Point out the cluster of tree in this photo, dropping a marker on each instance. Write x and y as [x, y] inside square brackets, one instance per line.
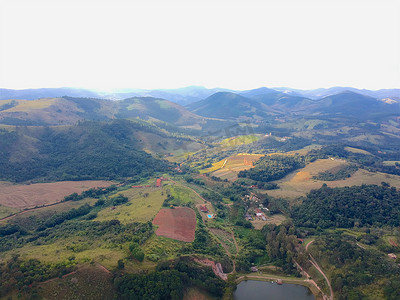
[368, 161]
[354, 269]
[252, 243]
[89, 150]
[342, 173]
[169, 281]
[91, 193]
[168, 284]
[269, 168]
[281, 245]
[349, 206]
[190, 179]
[63, 216]
[25, 274]
[136, 252]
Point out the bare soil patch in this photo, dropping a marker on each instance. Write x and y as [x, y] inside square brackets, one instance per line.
[39, 194]
[178, 223]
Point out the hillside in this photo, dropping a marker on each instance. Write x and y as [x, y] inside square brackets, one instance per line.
[70, 110]
[228, 105]
[351, 104]
[89, 150]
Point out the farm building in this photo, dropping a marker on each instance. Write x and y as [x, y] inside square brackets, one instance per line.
[158, 182]
[254, 269]
[203, 208]
[259, 213]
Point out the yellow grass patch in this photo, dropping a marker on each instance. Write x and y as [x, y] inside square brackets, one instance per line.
[356, 150]
[140, 208]
[292, 188]
[301, 176]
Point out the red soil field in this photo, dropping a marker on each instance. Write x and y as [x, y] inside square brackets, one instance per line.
[38, 194]
[178, 223]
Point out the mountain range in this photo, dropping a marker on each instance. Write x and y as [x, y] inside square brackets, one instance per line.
[186, 95]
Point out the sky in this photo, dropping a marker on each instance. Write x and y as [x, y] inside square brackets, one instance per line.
[149, 44]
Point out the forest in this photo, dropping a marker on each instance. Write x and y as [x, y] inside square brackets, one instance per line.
[89, 150]
[365, 205]
[269, 168]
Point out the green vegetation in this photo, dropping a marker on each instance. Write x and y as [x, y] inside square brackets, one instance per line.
[339, 174]
[269, 168]
[86, 151]
[364, 205]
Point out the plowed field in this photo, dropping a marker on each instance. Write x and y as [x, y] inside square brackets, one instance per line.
[178, 223]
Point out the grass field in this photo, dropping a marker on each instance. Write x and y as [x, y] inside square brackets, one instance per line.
[274, 219]
[92, 282]
[21, 196]
[143, 205]
[356, 150]
[240, 140]
[229, 168]
[300, 182]
[6, 211]
[182, 195]
[159, 247]
[391, 162]
[50, 210]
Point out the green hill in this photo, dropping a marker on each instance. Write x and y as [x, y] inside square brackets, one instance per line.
[228, 105]
[89, 150]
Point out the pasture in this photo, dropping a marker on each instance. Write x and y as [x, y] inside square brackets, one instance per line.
[143, 205]
[229, 168]
[21, 197]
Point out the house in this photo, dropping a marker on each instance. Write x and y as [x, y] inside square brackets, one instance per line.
[259, 213]
[392, 255]
[248, 217]
[254, 269]
[203, 208]
[158, 182]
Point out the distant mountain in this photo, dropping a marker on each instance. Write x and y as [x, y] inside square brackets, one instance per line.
[69, 110]
[226, 105]
[31, 94]
[148, 108]
[320, 93]
[258, 92]
[352, 104]
[181, 96]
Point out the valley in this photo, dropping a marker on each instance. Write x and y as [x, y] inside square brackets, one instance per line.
[142, 197]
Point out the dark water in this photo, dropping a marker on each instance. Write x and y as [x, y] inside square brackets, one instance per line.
[261, 290]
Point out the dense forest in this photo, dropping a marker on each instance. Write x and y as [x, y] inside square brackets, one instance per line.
[354, 268]
[89, 150]
[366, 205]
[269, 168]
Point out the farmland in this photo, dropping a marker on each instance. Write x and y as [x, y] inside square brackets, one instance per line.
[178, 223]
[39, 194]
[143, 205]
[229, 168]
[300, 182]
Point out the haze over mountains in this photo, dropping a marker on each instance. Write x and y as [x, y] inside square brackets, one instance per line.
[185, 95]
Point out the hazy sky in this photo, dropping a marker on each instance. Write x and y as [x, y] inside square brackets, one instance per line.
[168, 44]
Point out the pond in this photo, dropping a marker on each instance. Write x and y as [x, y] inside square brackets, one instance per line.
[261, 290]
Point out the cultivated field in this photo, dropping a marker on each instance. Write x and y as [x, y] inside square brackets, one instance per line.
[178, 223]
[229, 168]
[143, 205]
[300, 182]
[39, 194]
